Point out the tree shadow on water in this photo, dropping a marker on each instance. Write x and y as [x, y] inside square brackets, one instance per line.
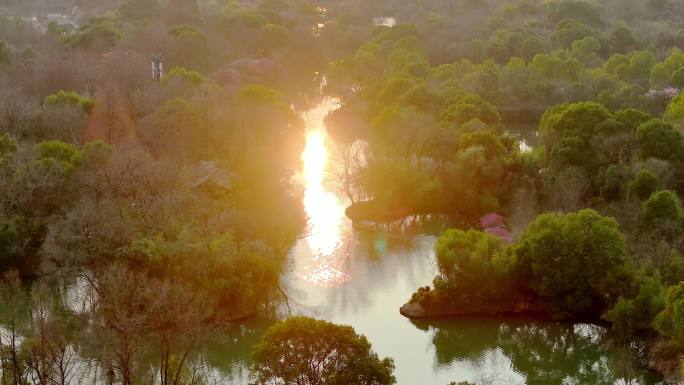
[543, 352]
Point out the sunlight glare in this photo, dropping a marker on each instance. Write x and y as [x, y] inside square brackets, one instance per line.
[324, 210]
[315, 157]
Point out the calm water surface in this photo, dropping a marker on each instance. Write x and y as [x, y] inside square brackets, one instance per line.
[362, 278]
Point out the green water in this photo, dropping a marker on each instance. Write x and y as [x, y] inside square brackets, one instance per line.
[384, 271]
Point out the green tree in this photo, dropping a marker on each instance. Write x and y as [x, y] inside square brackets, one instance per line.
[659, 139]
[662, 208]
[10, 243]
[640, 65]
[399, 185]
[568, 31]
[573, 261]
[630, 316]
[70, 98]
[67, 154]
[645, 184]
[586, 50]
[533, 45]
[662, 73]
[395, 87]
[617, 65]
[175, 129]
[8, 146]
[27, 55]
[613, 184]
[632, 118]
[469, 107]
[472, 263]
[637, 66]
[675, 110]
[569, 132]
[100, 32]
[678, 78]
[305, 351]
[670, 322]
[572, 120]
[398, 131]
[6, 54]
[183, 76]
[621, 37]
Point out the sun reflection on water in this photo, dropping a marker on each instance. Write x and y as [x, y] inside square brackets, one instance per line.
[325, 210]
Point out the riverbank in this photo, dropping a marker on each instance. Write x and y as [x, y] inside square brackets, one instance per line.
[414, 310]
[376, 211]
[428, 303]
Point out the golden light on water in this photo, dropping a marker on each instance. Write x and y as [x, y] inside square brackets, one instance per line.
[325, 210]
[315, 158]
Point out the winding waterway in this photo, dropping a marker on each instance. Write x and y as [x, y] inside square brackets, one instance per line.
[361, 278]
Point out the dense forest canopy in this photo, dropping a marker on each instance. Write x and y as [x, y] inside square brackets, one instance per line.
[551, 131]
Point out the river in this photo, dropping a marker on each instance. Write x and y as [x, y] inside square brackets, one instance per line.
[362, 278]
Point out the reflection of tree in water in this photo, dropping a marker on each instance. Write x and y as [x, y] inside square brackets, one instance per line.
[378, 260]
[47, 328]
[231, 352]
[553, 353]
[544, 353]
[462, 340]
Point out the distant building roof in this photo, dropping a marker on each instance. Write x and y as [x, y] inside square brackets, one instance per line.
[493, 224]
[209, 172]
[386, 21]
[491, 220]
[501, 233]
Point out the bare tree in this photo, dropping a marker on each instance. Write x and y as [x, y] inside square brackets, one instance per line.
[63, 122]
[12, 368]
[50, 356]
[351, 159]
[15, 113]
[569, 190]
[134, 310]
[119, 322]
[180, 321]
[524, 209]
